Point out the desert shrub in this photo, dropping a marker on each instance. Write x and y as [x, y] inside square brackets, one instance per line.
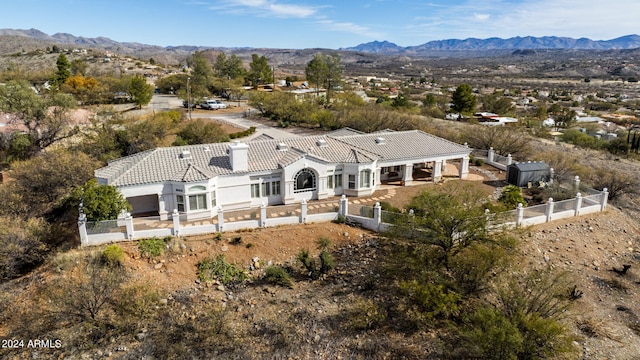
[511, 196]
[134, 303]
[278, 275]
[430, 302]
[478, 162]
[152, 247]
[113, 255]
[323, 243]
[327, 262]
[308, 262]
[86, 292]
[237, 240]
[388, 207]
[218, 268]
[22, 245]
[365, 314]
[341, 219]
[472, 267]
[489, 334]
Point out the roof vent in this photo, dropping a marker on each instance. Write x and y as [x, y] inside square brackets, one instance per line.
[380, 140]
[185, 154]
[282, 147]
[322, 143]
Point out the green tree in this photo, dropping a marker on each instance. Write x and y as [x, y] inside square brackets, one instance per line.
[201, 75]
[498, 104]
[451, 219]
[565, 119]
[463, 99]
[46, 117]
[259, 70]
[100, 202]
[229, 67]
[324, 70]
[41, 184]
[141, 92]
[199, 131]
[79, 67]
[503, 139]
[63, 71]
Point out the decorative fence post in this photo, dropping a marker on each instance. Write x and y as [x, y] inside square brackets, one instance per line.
[175, 216]
[129, 223]
[82, 227]
[263, 215]
[549, 210]
[605, 197]
[509, 160]
[519, 214]
[303, 211]
[490, 155]
[377, 214]
[344, 205]
[576, 183]
[578, 203]
[220, 219]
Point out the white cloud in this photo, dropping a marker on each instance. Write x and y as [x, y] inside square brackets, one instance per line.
[595, 19]
[266, 8]
[348, 27]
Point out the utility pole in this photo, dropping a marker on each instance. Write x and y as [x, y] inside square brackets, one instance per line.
[188, 99]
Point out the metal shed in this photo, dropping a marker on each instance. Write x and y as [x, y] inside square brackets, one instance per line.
[521, 174]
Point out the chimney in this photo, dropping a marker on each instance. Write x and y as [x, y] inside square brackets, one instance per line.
[239, 156]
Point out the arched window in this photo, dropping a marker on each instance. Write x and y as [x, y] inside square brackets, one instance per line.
[305, 180]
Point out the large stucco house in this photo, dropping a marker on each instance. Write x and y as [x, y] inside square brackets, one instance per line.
[197, 180]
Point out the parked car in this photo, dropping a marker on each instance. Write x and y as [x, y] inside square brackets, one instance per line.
[213, 105]
[193, 105]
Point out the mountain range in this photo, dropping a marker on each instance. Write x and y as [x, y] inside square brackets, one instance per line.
[374, 47]
[514, 43]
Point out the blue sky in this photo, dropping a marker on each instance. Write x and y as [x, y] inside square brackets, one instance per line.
[320, 23]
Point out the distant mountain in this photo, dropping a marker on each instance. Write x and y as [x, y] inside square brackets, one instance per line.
[384, 47]
[514, 43]
[68, 39]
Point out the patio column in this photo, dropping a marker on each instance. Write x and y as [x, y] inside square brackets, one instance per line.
[437, 171]
[407, 177]
[164, 214]
[464, 167]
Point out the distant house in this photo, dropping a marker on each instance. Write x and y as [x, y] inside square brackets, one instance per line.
[523, 174]
[198, 179]
[491, 119]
